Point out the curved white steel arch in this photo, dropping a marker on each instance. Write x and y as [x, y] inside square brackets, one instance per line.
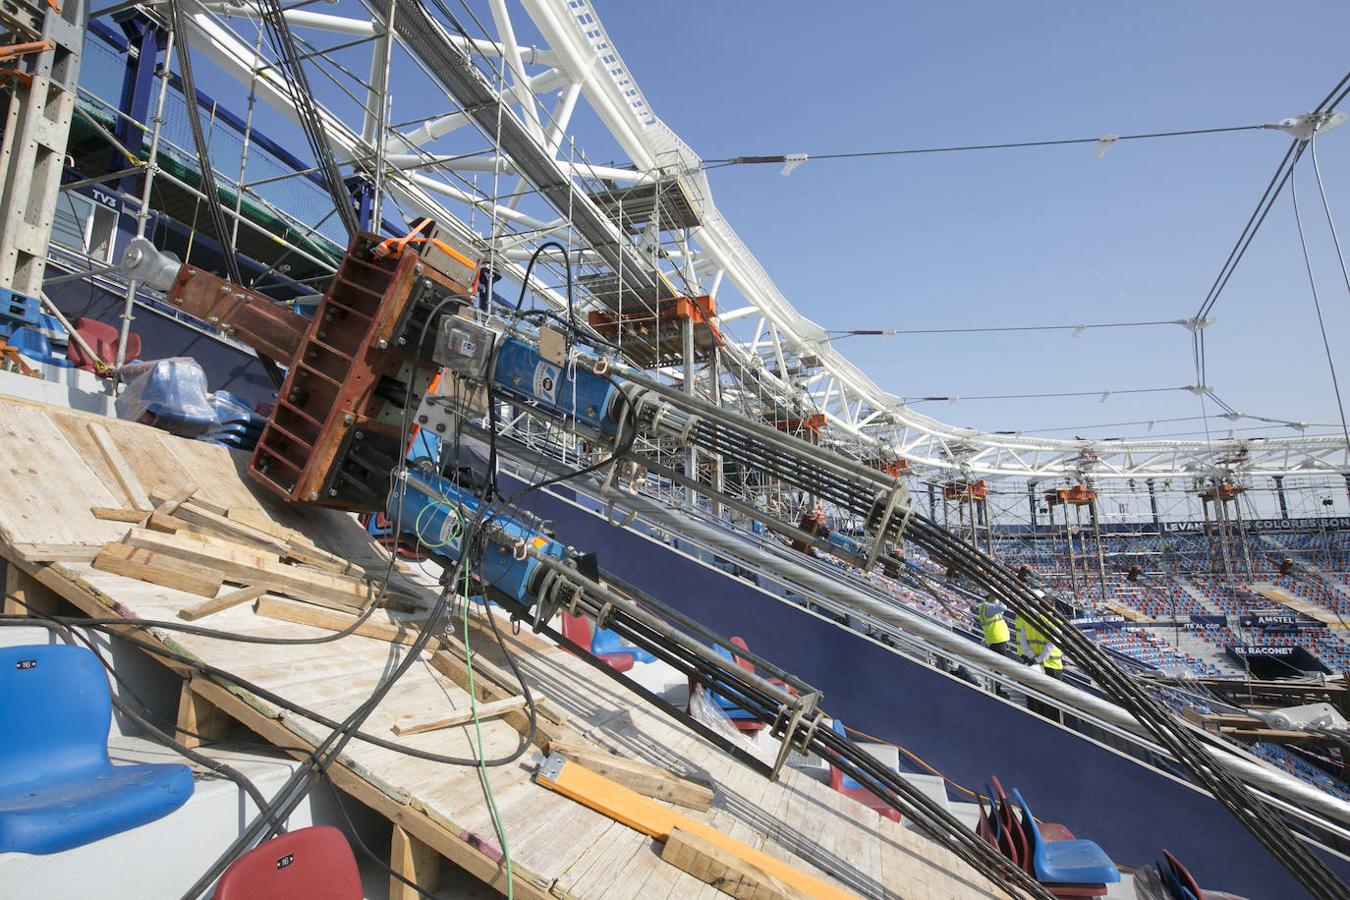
[856, 406]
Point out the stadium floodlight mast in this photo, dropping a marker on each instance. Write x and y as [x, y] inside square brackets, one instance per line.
[766, 339]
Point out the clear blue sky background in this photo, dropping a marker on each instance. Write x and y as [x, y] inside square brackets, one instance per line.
[1017, 237]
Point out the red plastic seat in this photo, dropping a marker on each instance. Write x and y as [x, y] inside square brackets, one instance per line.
[309, 863]
[863, 796]
[102, 338]
[577, 629]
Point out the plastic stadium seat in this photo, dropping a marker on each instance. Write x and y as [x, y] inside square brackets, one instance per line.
[851, 788]
[58, 789]
[606, 643]
[744, 721]
[32, 342]
[102, 339]
[307, 864]
[1065, 862]
[1180, 881]
[577, 629]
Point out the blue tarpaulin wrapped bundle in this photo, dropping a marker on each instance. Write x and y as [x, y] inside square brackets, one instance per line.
[169, 394]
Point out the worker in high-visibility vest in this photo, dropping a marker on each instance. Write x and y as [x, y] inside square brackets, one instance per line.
[995, 627]
[1036, 648]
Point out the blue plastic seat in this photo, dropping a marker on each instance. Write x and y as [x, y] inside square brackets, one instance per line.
[31, 342]
[58, 789]
[607, 643]
[1065, 862]
[731, 710]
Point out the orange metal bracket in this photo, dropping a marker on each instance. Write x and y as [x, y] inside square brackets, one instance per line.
[14, 50]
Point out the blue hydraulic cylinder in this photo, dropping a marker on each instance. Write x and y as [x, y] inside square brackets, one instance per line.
[845, 543]
[569, 391]
[438, 514]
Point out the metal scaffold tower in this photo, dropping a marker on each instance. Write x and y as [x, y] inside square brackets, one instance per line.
[43, 43]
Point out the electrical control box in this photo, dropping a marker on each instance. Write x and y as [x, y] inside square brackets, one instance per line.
[464, 347]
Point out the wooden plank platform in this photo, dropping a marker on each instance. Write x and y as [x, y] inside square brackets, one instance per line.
[54, 473]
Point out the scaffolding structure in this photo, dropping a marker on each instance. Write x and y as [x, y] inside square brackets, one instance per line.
[443, 112]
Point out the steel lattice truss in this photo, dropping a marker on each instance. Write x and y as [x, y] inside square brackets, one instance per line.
[496, 157]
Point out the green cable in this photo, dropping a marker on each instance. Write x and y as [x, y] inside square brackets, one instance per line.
[431, 507]
[478, 729]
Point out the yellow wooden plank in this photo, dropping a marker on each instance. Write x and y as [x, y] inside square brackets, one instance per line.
[651, 818]
[724, 869]
[647, 780]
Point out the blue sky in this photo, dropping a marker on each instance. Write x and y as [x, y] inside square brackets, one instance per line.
[1018, 237]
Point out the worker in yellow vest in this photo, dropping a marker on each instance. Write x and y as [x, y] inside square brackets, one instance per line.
[1036, 648]
[995, 627]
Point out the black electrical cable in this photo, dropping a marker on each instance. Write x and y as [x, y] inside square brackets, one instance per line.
[886, 784]
[324, 755]
[567, 262]
[1270, 831]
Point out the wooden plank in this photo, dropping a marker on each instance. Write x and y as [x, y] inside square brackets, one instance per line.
[118, 514]
[234, 598]
[227, 528]
[1275, 735]
[646, 779]
[400, 633]
[259, 522]
[723, 869]
[46, 553]
[485, 711]
[492, 683]
[172, 525]
[199, 720]
[147, 565]
[257, 568]
[25, 595]
[416, 862]
[49, 485]
[126, 479]
[169, 505]
[651, 818]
